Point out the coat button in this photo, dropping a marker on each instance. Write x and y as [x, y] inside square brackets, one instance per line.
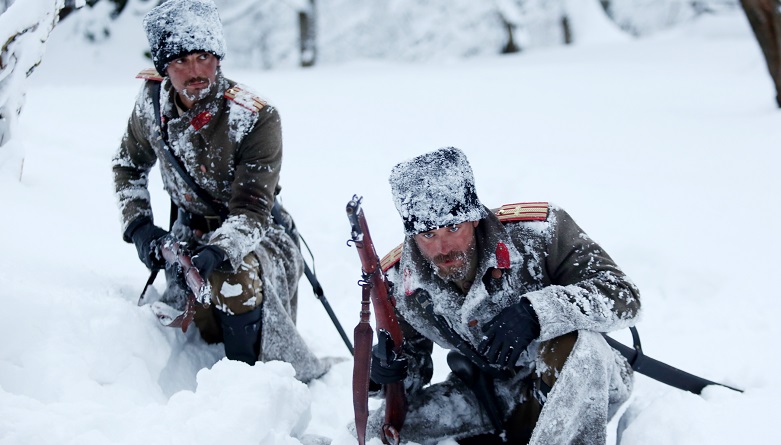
[203, 168]
[188, 197]
[496, 273]
[472, 323]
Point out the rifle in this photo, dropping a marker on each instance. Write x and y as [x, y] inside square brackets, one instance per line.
[374, 285]
[197, 288]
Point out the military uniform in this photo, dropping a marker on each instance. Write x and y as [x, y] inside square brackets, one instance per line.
[230, 143]
[536, 251]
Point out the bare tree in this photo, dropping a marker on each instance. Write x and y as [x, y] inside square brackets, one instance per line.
[765, 19]
[307, 25]
[24, 28]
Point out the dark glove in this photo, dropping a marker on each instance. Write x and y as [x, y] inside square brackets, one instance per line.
[208, 258]
[145, 236]
[386, 366]
[509, 333]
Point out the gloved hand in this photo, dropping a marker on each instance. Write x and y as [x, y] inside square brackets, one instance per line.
[145, 237]
[509, 333]
[207, 258]
[387, 367]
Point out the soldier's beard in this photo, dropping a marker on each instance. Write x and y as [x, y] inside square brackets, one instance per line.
[461, 269]
[200, 93]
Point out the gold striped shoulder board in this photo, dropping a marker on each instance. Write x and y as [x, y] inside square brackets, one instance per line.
[245, 98]
[150, 74]
[522, 211]
[391, 258]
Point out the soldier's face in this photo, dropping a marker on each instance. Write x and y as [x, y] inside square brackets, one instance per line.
[450, 250]
[193, 76]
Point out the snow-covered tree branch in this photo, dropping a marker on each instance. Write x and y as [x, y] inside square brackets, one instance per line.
[24, 29]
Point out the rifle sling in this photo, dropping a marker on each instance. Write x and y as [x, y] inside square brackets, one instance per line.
[639, 362]
[157, 134]
[660, 371]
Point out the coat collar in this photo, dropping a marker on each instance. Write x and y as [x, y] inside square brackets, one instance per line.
[201, 115]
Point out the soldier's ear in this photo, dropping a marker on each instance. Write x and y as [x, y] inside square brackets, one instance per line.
[475, 223]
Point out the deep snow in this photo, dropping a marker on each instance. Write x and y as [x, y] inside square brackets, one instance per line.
[660, 148]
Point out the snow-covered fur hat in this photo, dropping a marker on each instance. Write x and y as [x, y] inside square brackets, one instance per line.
[179, 27]
[434, 190]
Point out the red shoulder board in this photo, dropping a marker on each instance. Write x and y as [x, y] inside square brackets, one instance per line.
[150, 74]
[245, 99]
[522, 211]
[391, 258]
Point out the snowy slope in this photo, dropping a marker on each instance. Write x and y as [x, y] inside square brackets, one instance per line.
[661, 149]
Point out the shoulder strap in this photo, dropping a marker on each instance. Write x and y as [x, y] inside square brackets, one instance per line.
[522, 211]
[392, 258]
[216, 206]
[245, 98]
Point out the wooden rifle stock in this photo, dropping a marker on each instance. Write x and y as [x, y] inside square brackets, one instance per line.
[200, 290]
[375, 285]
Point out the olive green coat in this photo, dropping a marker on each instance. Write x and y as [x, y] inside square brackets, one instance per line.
[231, 144]
[231, 148]
[573, 285]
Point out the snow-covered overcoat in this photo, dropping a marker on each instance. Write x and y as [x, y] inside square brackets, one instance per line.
[572, 284]
[231, 144]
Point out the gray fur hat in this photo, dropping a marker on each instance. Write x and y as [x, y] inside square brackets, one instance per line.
[179, 27]
[434, 190]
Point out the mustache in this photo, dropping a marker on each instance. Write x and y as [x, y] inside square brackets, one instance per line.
[194, 80]
[450, 256]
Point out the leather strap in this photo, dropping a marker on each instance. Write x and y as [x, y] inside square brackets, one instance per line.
[157, 134]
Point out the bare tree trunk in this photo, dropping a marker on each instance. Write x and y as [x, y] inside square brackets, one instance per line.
[509, 47]
[765, 20]
[566, 29]
[307, 25]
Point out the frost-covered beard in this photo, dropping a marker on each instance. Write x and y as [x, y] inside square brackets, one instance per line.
[201, 93]
[457, 272]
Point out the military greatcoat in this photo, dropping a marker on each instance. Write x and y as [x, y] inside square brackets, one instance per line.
[536, 251]
[230, 143]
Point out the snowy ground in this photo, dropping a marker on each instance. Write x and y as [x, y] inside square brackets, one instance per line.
[661, 149]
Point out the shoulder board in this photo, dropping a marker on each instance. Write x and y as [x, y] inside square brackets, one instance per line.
[522, 211]
[391, 258]
[245, 98]
[150, 74]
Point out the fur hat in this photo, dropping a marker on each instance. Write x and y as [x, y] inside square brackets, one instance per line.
[434, 190]
[179, 27]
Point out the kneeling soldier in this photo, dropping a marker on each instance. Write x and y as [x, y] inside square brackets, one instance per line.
[520, 296]
[220, 152]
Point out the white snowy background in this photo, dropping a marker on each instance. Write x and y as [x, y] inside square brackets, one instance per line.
[662, 149]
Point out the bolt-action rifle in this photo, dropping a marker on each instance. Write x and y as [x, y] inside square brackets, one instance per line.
[375, 286]
[197, 288]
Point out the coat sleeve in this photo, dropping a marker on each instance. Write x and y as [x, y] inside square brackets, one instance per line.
[417, 349]
[131, 165]
[253, 190]
[588, 290]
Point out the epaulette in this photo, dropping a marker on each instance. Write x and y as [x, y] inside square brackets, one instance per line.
[150, 74]
[522, 211]
[245, 98]
[391, 258]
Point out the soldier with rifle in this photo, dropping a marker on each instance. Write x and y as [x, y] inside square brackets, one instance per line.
[520, 296]
[219, 149]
